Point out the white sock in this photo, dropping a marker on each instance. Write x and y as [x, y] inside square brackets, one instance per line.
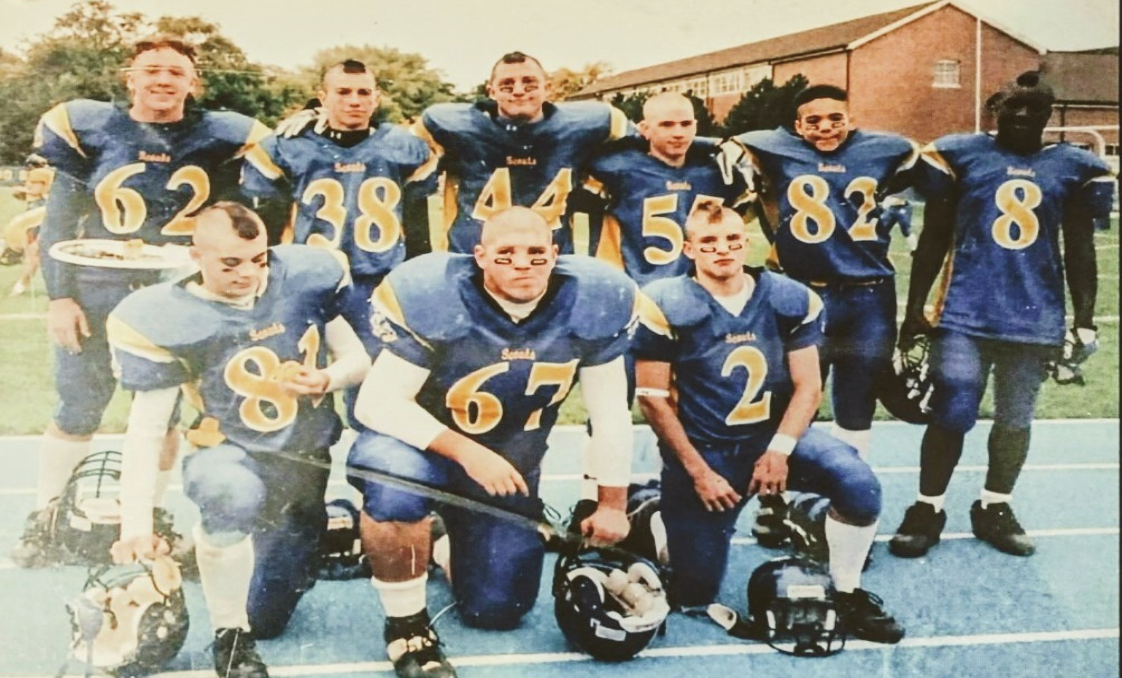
[859, 440]
[402, 598]
[163, 478]
[937, 502]
[849, 545]
[989, 497]
[589, 488]
[225, 572]
[57, 460]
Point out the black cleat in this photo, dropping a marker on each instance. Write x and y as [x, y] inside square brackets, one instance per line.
[414, 648]
[997, 525]
[918, 532]
[182, 547]
[235, 655]
[771, 529]
[34, 548]
[10, 257]
[863, 616]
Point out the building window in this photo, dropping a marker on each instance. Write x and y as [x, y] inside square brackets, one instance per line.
[946, 73]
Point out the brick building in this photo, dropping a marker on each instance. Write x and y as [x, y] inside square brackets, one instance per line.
[922, 71]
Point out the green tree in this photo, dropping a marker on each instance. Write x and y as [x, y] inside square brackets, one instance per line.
[566, 82]
[631, 105]
[765, 106]
[706, 125]
[408, 84]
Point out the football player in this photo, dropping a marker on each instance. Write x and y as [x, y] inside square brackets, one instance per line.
[345, 178]
[21, 236]
[515, 149]
[480, 350]
[124, 172]
[821, 194]
[740, 347]
[997, 206]
[249, 335]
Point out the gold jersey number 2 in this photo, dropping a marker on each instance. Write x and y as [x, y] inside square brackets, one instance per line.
[124, 211]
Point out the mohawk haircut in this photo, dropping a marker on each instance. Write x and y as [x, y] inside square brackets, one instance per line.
[707, 212]
[243, 220]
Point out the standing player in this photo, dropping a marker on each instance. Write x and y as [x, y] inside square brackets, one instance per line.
[996, 207]
[480, 352]
[249, 334]
[821, 193]
[122, 172]
[739, 348]
[516, 149]
[21, 235]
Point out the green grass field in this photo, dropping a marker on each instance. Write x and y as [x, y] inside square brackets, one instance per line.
[27, 399]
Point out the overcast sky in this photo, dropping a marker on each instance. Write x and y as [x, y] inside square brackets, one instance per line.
[461, 38]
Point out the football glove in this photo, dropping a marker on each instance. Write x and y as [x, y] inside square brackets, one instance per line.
[295, 124]
[734, 163]
[1079, 344]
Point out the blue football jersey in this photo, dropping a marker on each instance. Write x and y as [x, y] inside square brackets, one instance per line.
[346, 199]
[493, 164]
[1004, 277]
[730, 372]
[647, 202]
[829, 226]
[497, 381]
[138, 180]
[229, 360]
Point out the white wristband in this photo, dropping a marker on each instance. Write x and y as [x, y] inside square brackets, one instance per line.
[783, 444]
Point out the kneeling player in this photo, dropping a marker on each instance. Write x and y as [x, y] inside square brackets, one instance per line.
[249, 333]
[741, 348]
[479, 353]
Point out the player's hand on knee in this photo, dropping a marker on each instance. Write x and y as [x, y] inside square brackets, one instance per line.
[769, 475]
[66, 324]
[134, 549]
[496, 475]
[606, 526]
[714, 491]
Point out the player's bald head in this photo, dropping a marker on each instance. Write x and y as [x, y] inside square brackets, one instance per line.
[667, 105]
[231, 250]
[521, 219]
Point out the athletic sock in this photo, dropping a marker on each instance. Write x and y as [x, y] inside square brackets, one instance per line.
[859, 440]
[402, 598]
[988, 497]
[937, 502]
[225, 570]
[57, 460]
[849, 546]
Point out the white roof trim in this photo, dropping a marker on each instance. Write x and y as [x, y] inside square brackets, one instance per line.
[934, 8]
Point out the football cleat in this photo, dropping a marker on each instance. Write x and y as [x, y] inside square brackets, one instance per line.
[997, 525]
[791, 602]
[130, 619]
[608, 602]
[235, 655]
[905, 390]
[771, 529]
[919, 531]
[34, 546]
[414, 648]
[863, 616]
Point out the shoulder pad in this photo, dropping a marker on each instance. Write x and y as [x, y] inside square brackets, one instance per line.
[681, 300]
[408, 147]
[450, 118]
[140, 323]
[234, 128]
[70, 121]
[306, 266]
[790, 299]
[766, 139]
[605, 302]
[886, 140]
[426, 291]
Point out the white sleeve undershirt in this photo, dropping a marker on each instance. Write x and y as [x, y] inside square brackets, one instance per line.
[604, 388]
[387, 402]
[350, 361]
[140, 463]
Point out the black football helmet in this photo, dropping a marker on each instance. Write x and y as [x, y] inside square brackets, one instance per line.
[905, 390]
[791, 603]
[130, 620]
[87, 518]
[341, 555]
[608, 602]
[647, 536]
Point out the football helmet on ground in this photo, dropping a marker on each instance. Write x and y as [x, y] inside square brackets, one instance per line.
[341, 555]
[905, 390]
[792, 603]
[608, 602]
[647, 536]
[130, 620]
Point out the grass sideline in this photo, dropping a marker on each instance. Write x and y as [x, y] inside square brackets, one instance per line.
[28, 398]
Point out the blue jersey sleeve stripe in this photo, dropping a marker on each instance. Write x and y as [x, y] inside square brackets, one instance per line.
[384, 301]
[619, 124]
[126, 338]
[610, 249]
[256, 155]
[58, 121]
[422, 132]
[651, 316]
[814, 307]
[932, 157]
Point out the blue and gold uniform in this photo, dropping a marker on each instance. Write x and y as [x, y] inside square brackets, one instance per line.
[647, 202]
[493, 164]
[117, 178]
[1003, 289]
[230, 361]
[732, 388]
[828, 232]
[499, 383]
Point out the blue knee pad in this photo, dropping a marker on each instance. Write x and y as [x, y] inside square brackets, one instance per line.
[825, 465]
[224, 482]
[959, 370]
[378, 452]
